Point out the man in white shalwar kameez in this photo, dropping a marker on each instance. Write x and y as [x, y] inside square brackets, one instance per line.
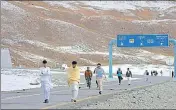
[45, 81]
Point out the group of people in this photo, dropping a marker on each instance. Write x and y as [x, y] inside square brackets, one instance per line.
[100, 75]
[153, 73]
[128, 75]
[73, 79]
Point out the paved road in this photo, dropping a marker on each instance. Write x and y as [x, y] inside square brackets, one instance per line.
[33, 98]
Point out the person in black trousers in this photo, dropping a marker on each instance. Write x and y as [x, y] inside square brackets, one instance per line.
[119, 74]
[172, 74]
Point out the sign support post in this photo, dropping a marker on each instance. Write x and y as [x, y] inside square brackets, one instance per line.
[173, 41]
[111, 43]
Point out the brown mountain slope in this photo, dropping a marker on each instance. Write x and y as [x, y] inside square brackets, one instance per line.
[36, 30]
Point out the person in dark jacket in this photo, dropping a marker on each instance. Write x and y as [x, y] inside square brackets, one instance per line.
[172, 74]
[151, 73]
[146, 74]
[129, 76]
[119, 74]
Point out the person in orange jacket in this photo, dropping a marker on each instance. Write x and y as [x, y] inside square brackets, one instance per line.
[88, 77]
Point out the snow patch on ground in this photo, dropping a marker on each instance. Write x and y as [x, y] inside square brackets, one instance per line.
[153, 21]
[88, 61]
[39, 7]
[62, 23]
[10, 7]
[65, 4]
[18, 79]
[14, 82]
[144, 54]
[32, 57]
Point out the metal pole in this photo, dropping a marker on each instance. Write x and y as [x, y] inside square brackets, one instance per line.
[111, 43]
[174, 42]
[110, 60]
[175, 61]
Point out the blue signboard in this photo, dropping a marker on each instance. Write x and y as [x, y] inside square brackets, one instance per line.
[145, 40]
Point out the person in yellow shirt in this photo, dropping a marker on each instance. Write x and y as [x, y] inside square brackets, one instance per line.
[74, 80]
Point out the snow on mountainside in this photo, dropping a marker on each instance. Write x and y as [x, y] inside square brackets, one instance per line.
[117, 5]
[80, 30]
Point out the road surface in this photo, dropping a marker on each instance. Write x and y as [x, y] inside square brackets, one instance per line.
[60, 96]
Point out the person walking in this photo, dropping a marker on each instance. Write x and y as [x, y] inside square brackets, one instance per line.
[129, 76]
[88, 77]
[172, 74]
[99, 71]
[119, 74]
[151, 73]
[146, 75]
[74, 80]
[161, 72]
[45, 81]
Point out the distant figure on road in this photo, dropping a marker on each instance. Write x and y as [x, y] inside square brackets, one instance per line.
[129, 76]
[161, 72]
[88, 77]
[74, 80]
[45, 81]
[119, 74]
[155, 73]
[146, 74]
[172, 74]
[151, 73]
[99, 76]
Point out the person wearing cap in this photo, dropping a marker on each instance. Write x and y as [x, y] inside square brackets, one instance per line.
[45, 81]
[99, 72]
[74, 80]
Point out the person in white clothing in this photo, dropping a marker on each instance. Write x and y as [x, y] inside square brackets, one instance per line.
[45, 81]
[129, 76]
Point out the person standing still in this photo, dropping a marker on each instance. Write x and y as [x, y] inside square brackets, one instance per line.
[45, 81]
[74, 80]
[119, 74]
[99, 71]
[88, 77]
[129, 76]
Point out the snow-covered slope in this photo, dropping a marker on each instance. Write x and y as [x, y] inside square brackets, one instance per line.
[80, 30]
[117, 5]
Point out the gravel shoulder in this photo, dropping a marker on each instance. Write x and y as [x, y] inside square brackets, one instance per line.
[159, 96]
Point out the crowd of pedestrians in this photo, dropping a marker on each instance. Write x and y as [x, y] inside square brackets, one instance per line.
[73, 78]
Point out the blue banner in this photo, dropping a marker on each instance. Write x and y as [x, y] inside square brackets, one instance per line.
[143, 40]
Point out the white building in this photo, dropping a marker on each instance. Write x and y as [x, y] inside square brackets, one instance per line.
[6, 61]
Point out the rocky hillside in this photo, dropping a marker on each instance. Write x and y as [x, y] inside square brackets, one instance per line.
[71, 30]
